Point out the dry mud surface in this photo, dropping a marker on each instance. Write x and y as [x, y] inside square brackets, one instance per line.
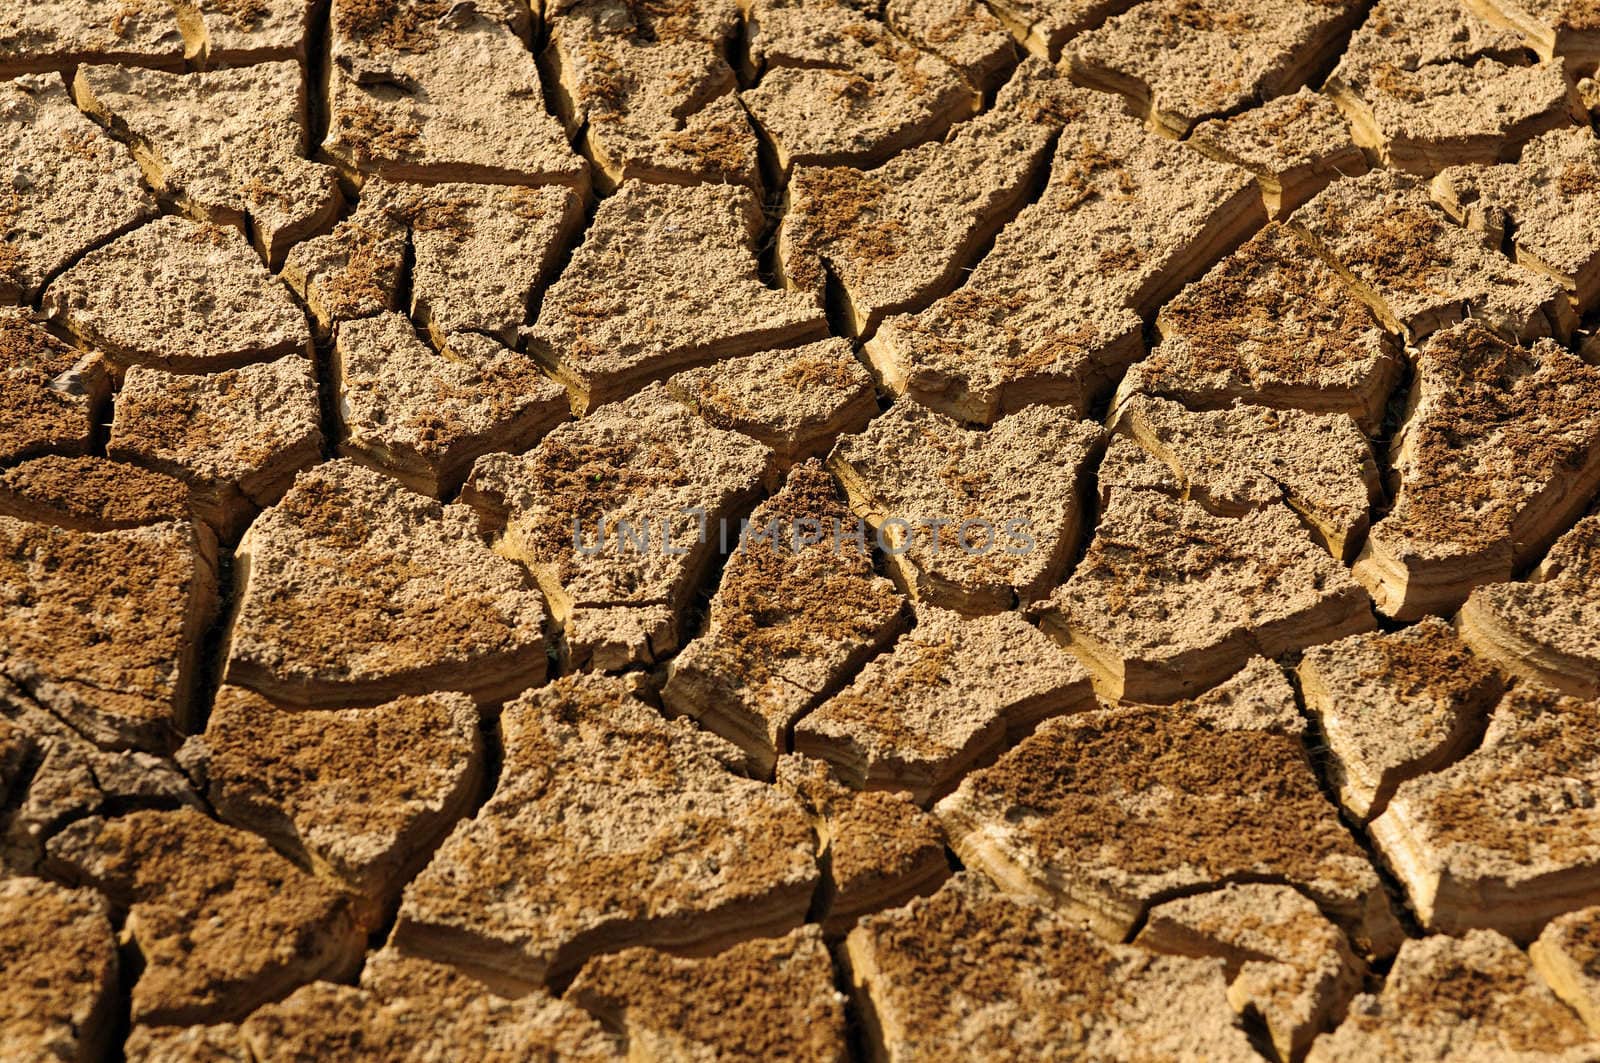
[799, 530]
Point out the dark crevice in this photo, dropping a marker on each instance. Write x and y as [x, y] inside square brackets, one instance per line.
[101, 417]
[1221, 115]
[119, 999]
[736, 51]
[836, 305]
[726, 534]
[774, 182]
[209, 663]
[1088, 487]
[1394, 415]
[558, 267]
[494, 757]
[1318, 755]
[857, 1038]
[319, 43]
[1254, 1025]
[1318, 75]
[327, 399]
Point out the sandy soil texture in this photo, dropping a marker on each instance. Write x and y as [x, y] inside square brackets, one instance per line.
[799, 530]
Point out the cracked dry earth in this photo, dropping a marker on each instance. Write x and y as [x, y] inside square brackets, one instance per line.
[1264, 334]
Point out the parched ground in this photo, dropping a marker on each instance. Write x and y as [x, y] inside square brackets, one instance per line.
[816, 530]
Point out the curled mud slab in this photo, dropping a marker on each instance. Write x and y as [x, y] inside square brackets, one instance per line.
[799, 530]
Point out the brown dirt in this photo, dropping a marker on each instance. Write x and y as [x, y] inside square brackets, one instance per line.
[776, 604]
[1231, 308]
[390, 25]
[819, 260]
[1193, 764]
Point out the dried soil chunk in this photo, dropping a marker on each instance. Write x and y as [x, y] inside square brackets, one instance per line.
[1499, 451]
[839, 88]
[236, 437]
[327, 1021]
[1504, 837]
[355, 590]
[1128, 466]
[1567, 954]
[1417, 271]
[1549, 200]
[228, 146]
[1284, 961]
[58, 956]
[1171, 599]
[1473, 997]
[104, 628]
[363, 793]
[1052, 313]
[237, 32]
[51, 395]
[217, 1043]
[666, 278]
[91, 494]
[1394, 706]
[482, 251]
[221, 921]
[617, 516]
[1246, 457]
[1551, 27]
[972, 520]
[179, 296]
[425, 416]
[610, 827]
[1043, 26]
[1427, 85]
[877, 849]
[764, 1000]
[355, 270]
[651, 89]
[70, 187]
[430, 90]
[1452, 114]
[58, 776]
[47, 35]
[1587, 91]
[1295, 145]
[1546, 629]
[1160, 799]
[896, 237]
[1414, 34]
[795, 614]
[391, 974]
[480, 255]
[58, 959]
[971, 973]
[920, 717]
[1181, 61]
[796, 400]
[964, 33]
[1271, 325]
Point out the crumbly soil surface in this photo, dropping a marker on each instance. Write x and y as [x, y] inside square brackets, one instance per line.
[815, 530]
